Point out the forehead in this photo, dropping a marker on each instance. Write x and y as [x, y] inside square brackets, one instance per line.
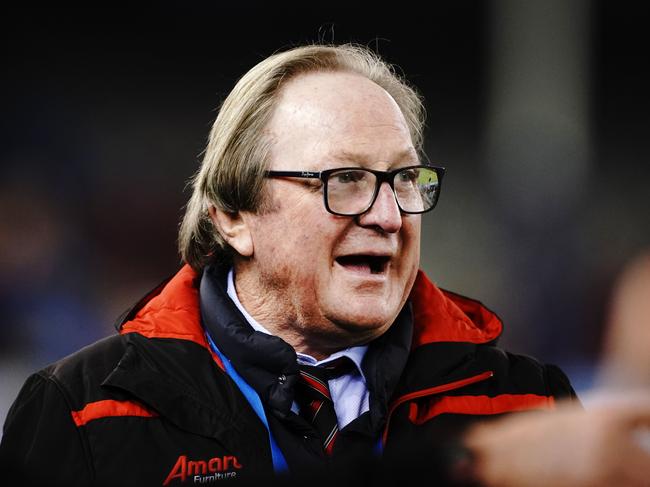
[339, 116]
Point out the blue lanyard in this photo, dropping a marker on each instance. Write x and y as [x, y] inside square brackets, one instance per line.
[279, 462]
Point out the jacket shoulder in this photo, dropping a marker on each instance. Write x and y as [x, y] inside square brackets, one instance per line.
[517, 371]
[39, 437]
[79, 375]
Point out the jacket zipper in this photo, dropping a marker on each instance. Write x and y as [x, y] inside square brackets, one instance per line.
[431, 391]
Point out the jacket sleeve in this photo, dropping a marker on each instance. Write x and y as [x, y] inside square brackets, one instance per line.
[41, 445]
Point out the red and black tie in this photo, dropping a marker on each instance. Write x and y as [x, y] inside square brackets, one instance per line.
[315, 401]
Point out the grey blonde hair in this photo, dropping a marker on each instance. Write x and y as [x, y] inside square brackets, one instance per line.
[231, 176]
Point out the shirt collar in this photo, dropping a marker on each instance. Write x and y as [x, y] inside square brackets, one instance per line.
[355, 354]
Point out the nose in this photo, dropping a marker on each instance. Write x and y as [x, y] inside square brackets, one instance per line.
[384, 212]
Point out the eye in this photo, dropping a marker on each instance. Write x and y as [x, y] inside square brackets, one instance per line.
[352, 176]
[408, 175]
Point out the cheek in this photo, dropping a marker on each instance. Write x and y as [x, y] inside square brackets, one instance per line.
[298, 243]
[411, 238]
[311, 234]
[410, 262]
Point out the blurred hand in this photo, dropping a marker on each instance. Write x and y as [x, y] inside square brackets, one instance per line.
[603, 446]
[626, 361]
[606, 444]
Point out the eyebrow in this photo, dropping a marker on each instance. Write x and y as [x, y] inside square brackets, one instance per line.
[362, 158]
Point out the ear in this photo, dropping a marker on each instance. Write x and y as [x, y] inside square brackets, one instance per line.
[234, 228]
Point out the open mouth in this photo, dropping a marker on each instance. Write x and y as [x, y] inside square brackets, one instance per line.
[373, 264]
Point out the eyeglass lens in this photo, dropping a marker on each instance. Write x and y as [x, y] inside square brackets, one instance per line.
[351, 191]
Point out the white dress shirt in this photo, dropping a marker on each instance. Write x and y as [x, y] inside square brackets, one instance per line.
[349, 392]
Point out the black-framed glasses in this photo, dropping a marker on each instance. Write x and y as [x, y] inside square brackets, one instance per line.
[351, 191]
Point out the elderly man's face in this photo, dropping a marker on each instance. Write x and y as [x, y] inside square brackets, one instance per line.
[334, 280]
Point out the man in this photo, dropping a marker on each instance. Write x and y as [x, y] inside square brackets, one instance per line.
[301, 242]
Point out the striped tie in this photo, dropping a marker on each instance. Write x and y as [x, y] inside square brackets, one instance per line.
[315, 401]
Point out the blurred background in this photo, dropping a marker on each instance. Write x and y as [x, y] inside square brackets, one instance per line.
[539, 111]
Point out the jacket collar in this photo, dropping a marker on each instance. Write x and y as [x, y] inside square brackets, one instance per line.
[171, 310]
[443, 316]
[266, 362]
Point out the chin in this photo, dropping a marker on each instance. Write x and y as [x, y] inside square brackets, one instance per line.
[368, 315]
[372, 307]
